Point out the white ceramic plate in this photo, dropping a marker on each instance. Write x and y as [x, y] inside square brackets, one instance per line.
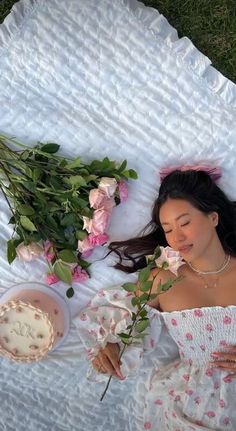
[16, 288]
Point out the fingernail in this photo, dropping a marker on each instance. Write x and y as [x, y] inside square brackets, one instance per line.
[119, 373]
[214, 354]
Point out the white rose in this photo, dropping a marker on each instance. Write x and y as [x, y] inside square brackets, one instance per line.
[29, 252]
[171, 259]
[108, 185]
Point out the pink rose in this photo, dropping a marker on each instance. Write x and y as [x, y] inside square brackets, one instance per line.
[87, 223]
[51, 278]
[84, 246]
[28, 252]
[108, 185]
[189, 336]
[123, 190]
[108, 205]
[169, 259]
[79, 275]
[49, 251]
[97, 198]
[95, 240]
[100, 221]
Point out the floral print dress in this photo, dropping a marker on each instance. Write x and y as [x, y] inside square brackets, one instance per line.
[184, 393]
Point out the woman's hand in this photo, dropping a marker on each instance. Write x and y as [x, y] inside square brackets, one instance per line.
[107, 361]
[225, 360]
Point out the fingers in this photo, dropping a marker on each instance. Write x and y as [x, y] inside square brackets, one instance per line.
[107, 361]
[112, 351]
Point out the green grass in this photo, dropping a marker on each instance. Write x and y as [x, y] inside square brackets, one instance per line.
[210, 24]
[5, 8]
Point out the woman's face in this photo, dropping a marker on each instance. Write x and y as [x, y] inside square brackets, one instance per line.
[187, 229]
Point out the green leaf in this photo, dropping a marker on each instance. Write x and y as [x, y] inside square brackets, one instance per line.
[70, 292]
[133, 174]
[50, 148]
[141, 326]
[80, 234]
[143, 298]
[84, 264]
[126, 340]
[143, 313]
[25, 210]
[63, 272]
[68, 219]
[36, 174]
[123, 334]
[129, 287]
[165, 286]
[75, 181]
[122, 166]
[76, 163]
[67, 256]
[146, 286]
[11, 251]
[27, 224]
[157, 252]
[135, 301]
[144, 274]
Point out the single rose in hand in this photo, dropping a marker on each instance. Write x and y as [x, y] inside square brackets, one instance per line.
[169, 259]
[29, 252]
[108, 185]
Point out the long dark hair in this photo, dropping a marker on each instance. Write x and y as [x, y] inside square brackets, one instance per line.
[195, 187]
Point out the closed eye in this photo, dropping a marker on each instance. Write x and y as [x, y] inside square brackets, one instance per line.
[185, 224]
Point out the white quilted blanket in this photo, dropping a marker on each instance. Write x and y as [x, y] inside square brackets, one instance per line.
[101, 77]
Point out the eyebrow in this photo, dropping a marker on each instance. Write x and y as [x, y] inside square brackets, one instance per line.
[177, 218]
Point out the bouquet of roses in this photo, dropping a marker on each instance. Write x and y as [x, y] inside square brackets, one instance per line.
[163, 258]
[61, 208]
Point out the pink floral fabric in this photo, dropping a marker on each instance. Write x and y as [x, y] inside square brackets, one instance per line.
[176, 390]
[188, 394]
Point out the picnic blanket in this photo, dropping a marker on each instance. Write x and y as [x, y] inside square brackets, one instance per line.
[101, 78]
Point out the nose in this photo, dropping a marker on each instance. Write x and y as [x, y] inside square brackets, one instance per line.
[178, 236]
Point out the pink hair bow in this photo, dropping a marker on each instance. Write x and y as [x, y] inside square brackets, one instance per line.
[214, 171]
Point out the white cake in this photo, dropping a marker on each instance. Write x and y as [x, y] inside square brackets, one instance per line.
[31, 322]
[26, 333]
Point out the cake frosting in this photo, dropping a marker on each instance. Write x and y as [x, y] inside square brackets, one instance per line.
[31, 322]
[26, 333]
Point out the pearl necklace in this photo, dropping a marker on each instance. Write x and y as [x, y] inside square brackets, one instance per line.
[225, 264]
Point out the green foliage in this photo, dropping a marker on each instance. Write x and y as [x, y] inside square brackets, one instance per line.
[48, 196]
[139, 319]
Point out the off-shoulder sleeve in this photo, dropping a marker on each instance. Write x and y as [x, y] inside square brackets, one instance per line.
[108, 314]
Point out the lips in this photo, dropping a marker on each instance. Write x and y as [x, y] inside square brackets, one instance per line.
[185, 249]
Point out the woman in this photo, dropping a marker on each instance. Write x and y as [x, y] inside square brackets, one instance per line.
[196, 391]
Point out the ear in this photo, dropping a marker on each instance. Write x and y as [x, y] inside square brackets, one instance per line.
[214, 218]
